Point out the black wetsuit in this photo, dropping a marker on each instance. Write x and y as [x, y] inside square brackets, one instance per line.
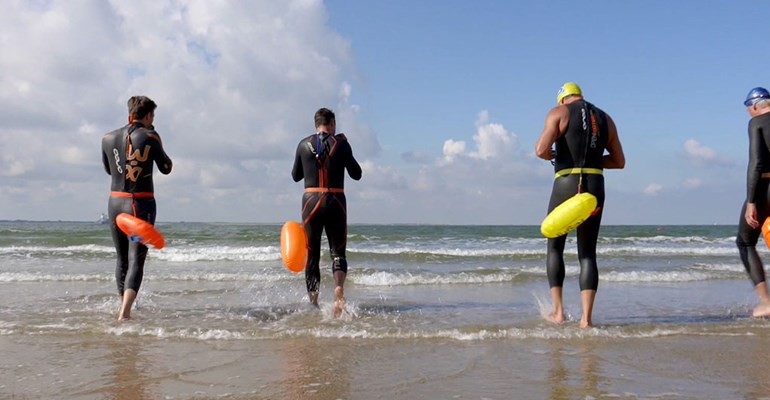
[321, 160]
[757, 192]
[128, 154]
[581, 146]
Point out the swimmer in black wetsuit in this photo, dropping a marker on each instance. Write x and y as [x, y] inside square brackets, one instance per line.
[756, 208]
[128, 154]
[581, 132]
[321, 159]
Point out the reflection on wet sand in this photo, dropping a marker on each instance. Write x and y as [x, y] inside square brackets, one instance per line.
[569, 381]
[129, 372]
[315, 370]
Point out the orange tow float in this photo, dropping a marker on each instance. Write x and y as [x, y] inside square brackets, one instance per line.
[293, 246]
[138, 228]
[766, 231]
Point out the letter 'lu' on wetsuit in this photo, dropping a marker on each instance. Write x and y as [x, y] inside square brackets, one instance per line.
[581, 147]
[758, 192]
[128, 154]
[321, 159]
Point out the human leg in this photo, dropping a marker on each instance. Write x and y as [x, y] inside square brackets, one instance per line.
[746, 240]
[313, 226]
[144, 209]
[563, 189]
[587, 238]
[556, 273]
[127, 301]
[337, 234]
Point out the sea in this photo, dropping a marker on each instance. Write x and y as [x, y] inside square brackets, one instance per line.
[223, 286]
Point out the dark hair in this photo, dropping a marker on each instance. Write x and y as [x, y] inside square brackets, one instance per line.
[323, 116]
[140, 106]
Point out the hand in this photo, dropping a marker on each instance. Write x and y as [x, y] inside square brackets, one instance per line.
[751, 215]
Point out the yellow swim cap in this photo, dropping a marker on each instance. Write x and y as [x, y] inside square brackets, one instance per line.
[568, 89]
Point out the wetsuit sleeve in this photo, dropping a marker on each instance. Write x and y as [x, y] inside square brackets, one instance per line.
[354, 170]
[105, 160]
[297, 173]
[162, 160]
[754, 170]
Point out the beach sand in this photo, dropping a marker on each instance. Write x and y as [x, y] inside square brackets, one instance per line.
[136, 367]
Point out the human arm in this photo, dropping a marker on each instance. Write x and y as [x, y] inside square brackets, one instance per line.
[162, 160]
[753, 174]
[105, 160]
[354, 169]
[555, 124]
[751, 215]
[615, 159]
[297, 173]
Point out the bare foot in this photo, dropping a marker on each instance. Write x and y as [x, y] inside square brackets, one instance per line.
[339, 301]
[556, 317]
[123, 318]
[762, 309]
[313, 297]
[585, 324]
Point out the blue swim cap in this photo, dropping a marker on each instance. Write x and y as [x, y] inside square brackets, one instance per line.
[756, 95]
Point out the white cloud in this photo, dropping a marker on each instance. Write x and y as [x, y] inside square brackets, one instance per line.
[653, 189]
[702, 155]
[492, 140]
[452, 149]
[692, 183]
[236, 84]
[12, 166]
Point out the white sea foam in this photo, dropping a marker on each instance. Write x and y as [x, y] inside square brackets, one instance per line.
[180, 333]
[668, 250]
[658, 276]
[60, 250]
[192, 253]
[221, 276]
[446, 251]
[7, 277]
[219, 253]
[406, 278]
[549, 333]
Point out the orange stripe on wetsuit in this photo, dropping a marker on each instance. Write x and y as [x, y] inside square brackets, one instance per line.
[323, 180]
[132, 195]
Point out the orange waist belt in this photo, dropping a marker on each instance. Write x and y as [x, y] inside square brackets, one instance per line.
[131, 195]
[324, 190]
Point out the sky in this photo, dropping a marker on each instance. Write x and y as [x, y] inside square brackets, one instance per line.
[441, 101]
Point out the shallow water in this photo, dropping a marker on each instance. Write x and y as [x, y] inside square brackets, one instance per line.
[220, 289]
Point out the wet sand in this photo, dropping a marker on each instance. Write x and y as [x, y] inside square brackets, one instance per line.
[134, 367]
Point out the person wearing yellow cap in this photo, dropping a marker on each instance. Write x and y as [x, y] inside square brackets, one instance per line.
[582, 133]
[756, 207]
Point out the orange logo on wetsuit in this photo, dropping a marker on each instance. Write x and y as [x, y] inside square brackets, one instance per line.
[132, 171]
[594, 130]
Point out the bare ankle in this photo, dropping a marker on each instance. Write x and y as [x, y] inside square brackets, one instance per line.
[313, 298]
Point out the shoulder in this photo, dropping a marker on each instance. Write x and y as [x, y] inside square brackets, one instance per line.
[762, 120]
[597, 109]
[560, 111]
[112, 135]
[143, 133]
[304, 140]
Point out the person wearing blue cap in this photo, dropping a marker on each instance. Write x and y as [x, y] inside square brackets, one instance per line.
[756, 208]
[581, 134]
